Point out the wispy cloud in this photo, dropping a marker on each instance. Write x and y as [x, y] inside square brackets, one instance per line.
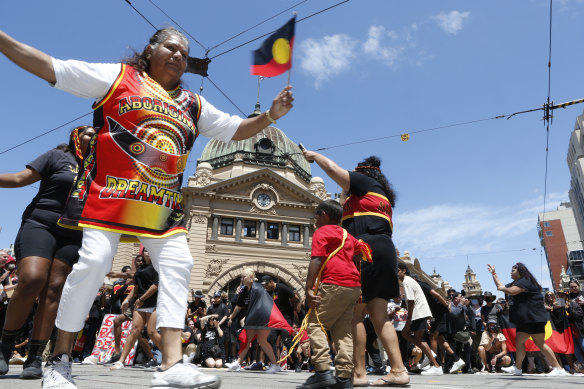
[458, 229]
[374, 47]
[327, 57]
[452, 22]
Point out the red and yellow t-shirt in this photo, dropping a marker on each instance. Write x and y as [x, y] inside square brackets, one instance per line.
[340, 269]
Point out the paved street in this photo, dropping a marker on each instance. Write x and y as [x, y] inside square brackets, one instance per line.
[100, 377]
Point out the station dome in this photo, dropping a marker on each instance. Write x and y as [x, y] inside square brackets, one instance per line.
[270, 148]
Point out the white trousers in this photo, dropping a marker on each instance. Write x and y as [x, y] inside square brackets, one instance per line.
[170, 257]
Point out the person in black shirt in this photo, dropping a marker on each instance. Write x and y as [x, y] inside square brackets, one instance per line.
[527, 311]
[145, 293]
[212, 353]
[45, 252]
[195, 307]
[287, 302]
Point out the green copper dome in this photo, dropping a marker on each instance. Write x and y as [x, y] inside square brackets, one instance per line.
[270, 148]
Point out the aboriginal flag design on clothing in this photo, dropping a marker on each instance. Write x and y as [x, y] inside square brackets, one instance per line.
[131, 179]
[558, 335]
[262, 312]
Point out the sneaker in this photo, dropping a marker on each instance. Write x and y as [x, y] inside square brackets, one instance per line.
[57, 373]
[90, 360]
[115, 357]
[484, 370]
[298, 368]
[512, 370]
[117, 366]
[5, 354]
[233, 366]
[320, 379]
[433, 370]
[255, 366]
[274, 368]
[425, 362]
[456, 366]
[558, 372]
[32, 368]
[152, 363]
[184, 375]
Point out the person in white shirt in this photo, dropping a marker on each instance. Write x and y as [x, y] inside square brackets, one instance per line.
[148, 126]
[418, 315]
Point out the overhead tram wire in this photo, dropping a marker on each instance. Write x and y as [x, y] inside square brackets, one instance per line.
[227, 97]
[271, 32]
[548, 116]
[181, 27]
[260, 23]
[45, 133]
[138, 12]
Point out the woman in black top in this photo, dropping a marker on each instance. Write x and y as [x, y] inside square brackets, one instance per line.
[144, 295]
[576, 311]
[367, 215]
[45, 251]
[527, 311]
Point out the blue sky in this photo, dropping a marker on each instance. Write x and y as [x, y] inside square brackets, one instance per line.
[370, 69]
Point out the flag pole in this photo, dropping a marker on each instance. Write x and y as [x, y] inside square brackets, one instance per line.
[289, 71]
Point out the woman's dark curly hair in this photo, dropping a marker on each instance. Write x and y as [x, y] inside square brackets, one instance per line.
[525, 273]
[370, 168]
[139, 61]
[72, 146]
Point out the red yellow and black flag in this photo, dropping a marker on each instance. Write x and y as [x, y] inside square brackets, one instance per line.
[274, 57]
[558, 335]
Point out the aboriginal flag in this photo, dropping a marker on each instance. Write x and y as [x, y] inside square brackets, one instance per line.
[274, 57]
[262, 312]
[558, 335]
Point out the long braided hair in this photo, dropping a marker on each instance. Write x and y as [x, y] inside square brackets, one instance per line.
[370, 168]
[74, 146]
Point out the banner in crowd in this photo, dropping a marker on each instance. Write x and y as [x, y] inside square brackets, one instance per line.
[104, 344]
[558, 335]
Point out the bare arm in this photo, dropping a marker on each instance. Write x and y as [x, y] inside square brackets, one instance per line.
[313, 268]
[20, 179]
[334, 171]
[439, 297]
[28, 58]
[512, 290]
[280, 107]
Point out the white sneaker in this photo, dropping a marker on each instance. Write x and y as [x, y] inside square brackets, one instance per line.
[558, 372]
[456, 366]
[184, 375]
[57, 374]
[425, 362]
[512, 370]
[274, 368]
[433, 370]
[118, 365]
[233, 366]
[90, 360]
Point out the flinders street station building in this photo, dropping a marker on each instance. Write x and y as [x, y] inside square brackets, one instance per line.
[250, 203]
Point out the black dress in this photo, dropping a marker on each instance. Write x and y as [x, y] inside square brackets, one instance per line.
[367, 215]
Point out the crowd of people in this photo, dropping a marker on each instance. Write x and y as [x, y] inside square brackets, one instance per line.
[356, 290]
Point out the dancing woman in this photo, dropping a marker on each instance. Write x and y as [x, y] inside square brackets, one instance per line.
[131, 182]
[527, 311]
[367, 215]
[45, 251]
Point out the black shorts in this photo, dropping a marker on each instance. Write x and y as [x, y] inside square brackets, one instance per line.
[440, 323]
[419, 324]
[379, 278]
[531, 328]
[36, 240]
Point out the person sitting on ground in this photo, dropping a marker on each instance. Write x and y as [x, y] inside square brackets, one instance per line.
[493, 348]
[335, 263]
[211, 338]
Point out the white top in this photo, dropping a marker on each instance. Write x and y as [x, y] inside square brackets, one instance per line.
[413, 291]
[93, 81]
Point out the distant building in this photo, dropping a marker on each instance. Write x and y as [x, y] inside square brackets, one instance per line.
[558, 233]
[470, 285]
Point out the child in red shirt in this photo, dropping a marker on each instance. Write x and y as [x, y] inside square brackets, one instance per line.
[333, 303]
